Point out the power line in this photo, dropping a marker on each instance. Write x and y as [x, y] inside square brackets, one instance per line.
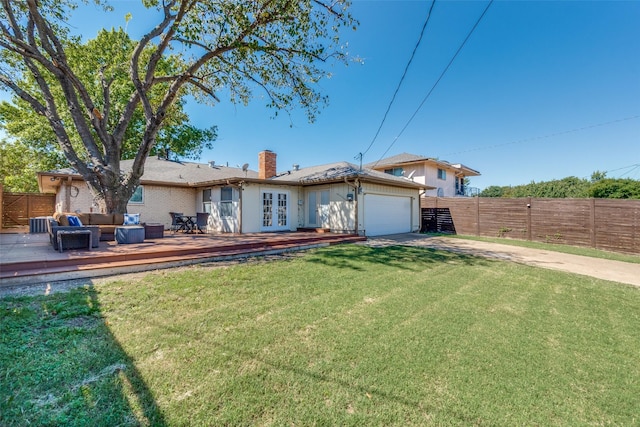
[551, 135]
[634, 167]
[629, 171]
[437, 81]
[404, 74]
[630, 167]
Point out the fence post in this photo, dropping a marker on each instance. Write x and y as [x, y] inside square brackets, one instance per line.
[477, 215]
[593, 223]
[529, 219]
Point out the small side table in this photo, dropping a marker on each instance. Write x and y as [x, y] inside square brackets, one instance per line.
[129, 234]
[153, 231]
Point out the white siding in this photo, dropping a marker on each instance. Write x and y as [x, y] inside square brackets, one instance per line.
[342, 217]
[226, 224]
[252, 206]
[427, 173]
[218, 223]
[447, 185]
[342, 213]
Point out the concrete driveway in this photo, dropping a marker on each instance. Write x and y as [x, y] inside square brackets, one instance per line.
[617, 271]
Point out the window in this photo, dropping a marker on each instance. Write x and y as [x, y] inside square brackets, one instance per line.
[442, 174]
[206, 200]
[226, 201]
[395, 171]
[138, 196]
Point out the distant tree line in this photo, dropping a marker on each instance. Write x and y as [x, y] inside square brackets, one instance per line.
[599, 186]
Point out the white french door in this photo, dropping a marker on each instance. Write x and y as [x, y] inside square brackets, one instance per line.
[318, 208]
[275, 211]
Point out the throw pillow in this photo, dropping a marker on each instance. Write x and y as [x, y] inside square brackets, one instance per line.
[74, 221]
[131, 219]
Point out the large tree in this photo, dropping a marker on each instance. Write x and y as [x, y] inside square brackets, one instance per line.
[276, 46]
[29, 135]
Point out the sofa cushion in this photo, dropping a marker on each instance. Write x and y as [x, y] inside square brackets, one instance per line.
[118, 219]
[100, 219]
[85, 218]
[74, 221]
[61, 218]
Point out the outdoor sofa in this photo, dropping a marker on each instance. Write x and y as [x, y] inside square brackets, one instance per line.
[102, 227]
[107, 223]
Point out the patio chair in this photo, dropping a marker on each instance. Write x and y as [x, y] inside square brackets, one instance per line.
[202, 220]
[177, 222]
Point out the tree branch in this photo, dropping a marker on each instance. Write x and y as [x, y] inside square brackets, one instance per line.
[141, 88]
[209, 91]
[68, 82]
[329, 8]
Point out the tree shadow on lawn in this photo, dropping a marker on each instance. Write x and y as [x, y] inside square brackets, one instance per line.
[61, 365]
[357, 257]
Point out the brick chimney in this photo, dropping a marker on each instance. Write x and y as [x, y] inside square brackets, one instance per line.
[266, 164]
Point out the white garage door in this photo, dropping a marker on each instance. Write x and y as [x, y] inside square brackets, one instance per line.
[387, 215]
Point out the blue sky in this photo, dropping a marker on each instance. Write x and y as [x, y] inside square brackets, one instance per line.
[542, 90]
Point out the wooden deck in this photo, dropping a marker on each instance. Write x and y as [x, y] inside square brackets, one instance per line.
[30, 258]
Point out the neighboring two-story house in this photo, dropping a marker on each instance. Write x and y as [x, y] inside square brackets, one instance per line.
[444, 178]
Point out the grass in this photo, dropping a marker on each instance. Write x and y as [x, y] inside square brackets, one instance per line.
[346, 335]
[567, 249]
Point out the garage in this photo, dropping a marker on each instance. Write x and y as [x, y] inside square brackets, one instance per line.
[386, 215]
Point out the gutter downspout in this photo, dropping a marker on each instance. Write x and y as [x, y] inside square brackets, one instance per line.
[240, 191]
[355, 186]
[420, 197]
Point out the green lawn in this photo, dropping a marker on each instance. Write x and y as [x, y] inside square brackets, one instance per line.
[345, 335]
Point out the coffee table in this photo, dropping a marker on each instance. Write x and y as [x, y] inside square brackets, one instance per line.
[63, 234]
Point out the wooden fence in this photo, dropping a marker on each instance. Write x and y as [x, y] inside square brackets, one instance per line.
[607, 224]
[17, 208]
